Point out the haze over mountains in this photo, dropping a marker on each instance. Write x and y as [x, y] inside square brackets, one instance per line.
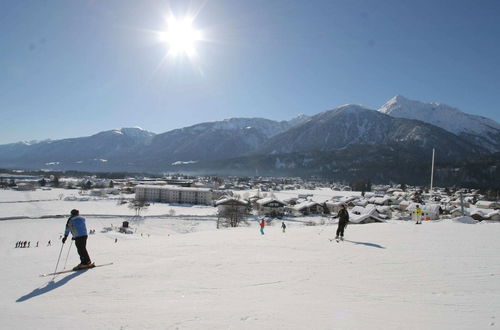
[402, 131]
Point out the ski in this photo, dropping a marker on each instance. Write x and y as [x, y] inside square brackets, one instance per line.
[74, 270]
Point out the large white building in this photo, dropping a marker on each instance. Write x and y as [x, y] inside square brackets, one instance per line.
[173, 194]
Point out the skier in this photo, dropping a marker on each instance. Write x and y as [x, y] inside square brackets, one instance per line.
[283, 226]
[343, 216]
[49, 243]
[418, 215]
[76, 225]
[262, 224]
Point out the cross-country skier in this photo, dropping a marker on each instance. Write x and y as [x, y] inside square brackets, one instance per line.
[262, 224]
[76, 225]
[343, 216]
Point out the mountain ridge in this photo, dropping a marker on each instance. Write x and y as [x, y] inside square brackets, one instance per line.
[344, 130]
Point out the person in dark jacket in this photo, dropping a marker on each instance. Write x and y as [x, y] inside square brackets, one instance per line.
[343, 216]
[76, 225]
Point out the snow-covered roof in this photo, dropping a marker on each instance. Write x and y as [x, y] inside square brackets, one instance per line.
[170, 187]
[268, 200]
[346, 199]
[230, 200]
[369, 209]
[364, 217]
[486, 204]
[305, 204]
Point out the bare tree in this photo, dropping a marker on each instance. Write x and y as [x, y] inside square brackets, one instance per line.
[138, 206]
[231, 215]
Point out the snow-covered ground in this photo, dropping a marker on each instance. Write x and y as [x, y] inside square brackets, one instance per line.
[182, 273]
[36, 204]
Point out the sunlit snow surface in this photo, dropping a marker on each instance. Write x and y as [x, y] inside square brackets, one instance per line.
[182, 273]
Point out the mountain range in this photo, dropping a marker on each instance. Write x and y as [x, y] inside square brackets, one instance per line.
[345, 143]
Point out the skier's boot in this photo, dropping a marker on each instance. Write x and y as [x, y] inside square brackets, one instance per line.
[83, 266]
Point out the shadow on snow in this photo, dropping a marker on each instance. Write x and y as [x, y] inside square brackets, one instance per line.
[50, 286]
[367, 244]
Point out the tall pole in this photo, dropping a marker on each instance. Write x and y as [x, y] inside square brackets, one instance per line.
[432, 173]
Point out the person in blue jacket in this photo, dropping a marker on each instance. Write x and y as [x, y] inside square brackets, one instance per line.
[76, 225]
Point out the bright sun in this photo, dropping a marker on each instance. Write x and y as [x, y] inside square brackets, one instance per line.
[181, 37]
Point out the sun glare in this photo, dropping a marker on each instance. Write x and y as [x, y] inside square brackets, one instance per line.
[181, 37]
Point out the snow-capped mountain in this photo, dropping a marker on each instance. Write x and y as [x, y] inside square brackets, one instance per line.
[214, 140]
[477, 129]
[89, 150]
[351, 139]
[357, 125]
[137, 149]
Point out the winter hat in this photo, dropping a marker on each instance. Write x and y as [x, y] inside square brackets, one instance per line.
[75, 212]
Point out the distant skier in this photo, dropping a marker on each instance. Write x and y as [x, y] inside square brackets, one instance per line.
[262, 224]
[49, 243]
[283, 226]
[76, 225]
[343, 216]
[418, 215]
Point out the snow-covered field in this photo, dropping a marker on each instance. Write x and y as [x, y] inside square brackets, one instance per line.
[181, 273]
[36, 204]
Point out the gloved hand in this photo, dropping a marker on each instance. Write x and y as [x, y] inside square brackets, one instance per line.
[64, 238]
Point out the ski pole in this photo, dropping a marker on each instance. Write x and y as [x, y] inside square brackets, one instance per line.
[66, 261]
[57, 264]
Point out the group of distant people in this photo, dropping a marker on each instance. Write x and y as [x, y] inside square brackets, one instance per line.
[26, 244]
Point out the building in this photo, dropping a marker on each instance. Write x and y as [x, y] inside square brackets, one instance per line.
[173, 194]
[271, 207]
[487, 205]
[308, 207]
[230, 203]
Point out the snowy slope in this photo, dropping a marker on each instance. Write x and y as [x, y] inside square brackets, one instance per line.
[486, 130]
[185, 274]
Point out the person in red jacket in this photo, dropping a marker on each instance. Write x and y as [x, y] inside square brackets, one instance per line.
[262, 224]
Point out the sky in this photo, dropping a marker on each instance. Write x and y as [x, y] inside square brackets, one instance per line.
[75, 68]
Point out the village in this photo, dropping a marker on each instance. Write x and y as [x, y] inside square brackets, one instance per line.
[266, 197]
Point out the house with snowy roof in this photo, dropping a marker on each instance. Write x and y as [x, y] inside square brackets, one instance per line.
[271, 207]
[231, 203]
[487, 205]
[382, 200]
[308, 207]
[361, 215]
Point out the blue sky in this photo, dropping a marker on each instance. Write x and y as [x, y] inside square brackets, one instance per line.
[74, 68]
